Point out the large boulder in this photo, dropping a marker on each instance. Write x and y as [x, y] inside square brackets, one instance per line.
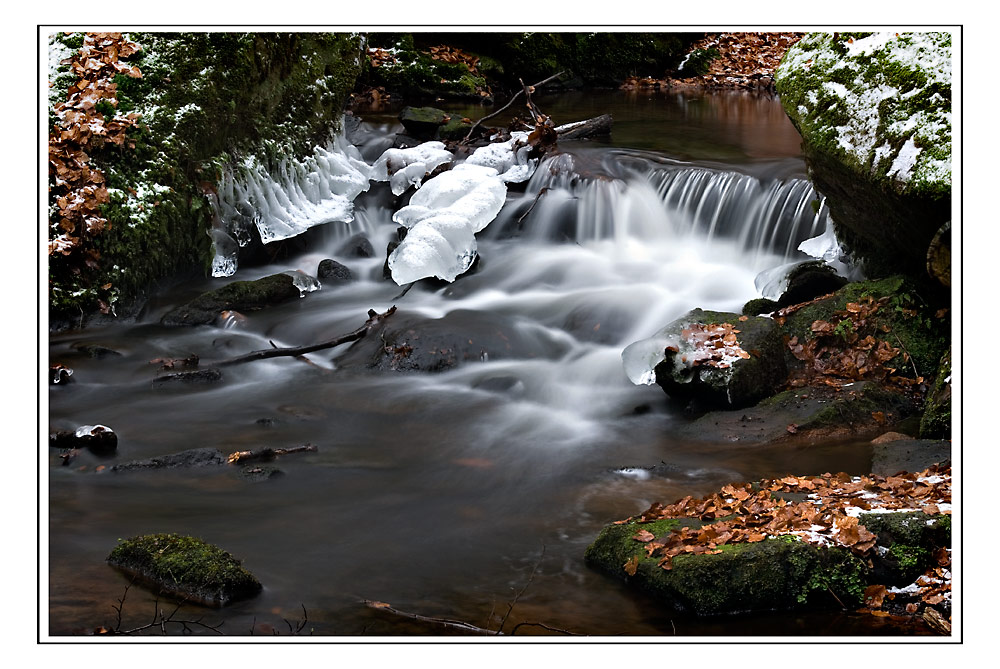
[874, 112]
[720, 359]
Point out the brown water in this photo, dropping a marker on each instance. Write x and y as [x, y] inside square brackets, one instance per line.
[442, 494]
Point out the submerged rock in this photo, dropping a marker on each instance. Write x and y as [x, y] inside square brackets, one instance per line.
[423, 122]
[195, 457]
[331, 271]
[185, 567]
[237, 296]
[98, 439]
[357, 246]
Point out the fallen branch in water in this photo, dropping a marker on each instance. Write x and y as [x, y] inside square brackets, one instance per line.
[159, 620]
[520, 219]
[373, 318]
[514, 629]
[509, 103]
[267, 454]
[531, 576]
[456, 624]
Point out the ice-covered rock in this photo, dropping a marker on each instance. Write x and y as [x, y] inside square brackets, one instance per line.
[510, 159]
[403, 168]
[443, 218]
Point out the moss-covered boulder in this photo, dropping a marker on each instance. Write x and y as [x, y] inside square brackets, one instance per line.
[236, 296]
[774, 574]
[874, 112]
[185, 567]
[721, 359]
[423, 122]
[936, 421]
[201, 99]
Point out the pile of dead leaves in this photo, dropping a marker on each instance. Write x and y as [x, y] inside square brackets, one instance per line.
[77, 188]
[750, 513]
[380, 57]
[744, 58]
[847, 348]
[713, 345]
[450, 54]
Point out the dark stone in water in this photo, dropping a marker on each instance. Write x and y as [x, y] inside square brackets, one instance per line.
[410, 343]
[332, 271]
[258, 473]
[210, 375]
[501, 384]
[422, 123]
[357, 246]
[909, 455]
[195, 457]
[810, 280]
[96, 350]
[237, 296]
[98, 439]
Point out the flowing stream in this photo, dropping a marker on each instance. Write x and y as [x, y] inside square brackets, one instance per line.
[457, 493]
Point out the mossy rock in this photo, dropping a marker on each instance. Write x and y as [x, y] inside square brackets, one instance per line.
[185, 567]
[779, 573]
[874, 112]
[203, 98]
[745, 382]
[911, 321]
[237, 296]
[775, 574]
[936, 421]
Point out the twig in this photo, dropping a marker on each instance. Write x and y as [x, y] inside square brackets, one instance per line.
[513, 630]
[297, 351]
[267, 454]
[916, 374]
[531, 576]
[159, 619]
[457, 624]
[533, 203]
[536, 114]
[836, 597]
[506, 106]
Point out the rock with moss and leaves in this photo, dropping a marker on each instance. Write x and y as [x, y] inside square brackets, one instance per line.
[874, 112]
[183, 105]
[829, 541]
[186, 568]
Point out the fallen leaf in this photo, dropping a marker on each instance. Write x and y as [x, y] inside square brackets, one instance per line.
[632, 565]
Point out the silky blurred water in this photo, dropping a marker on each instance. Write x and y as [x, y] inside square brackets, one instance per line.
[445, 494]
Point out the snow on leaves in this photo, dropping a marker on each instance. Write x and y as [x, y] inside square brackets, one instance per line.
[713, 345]
[77, 189]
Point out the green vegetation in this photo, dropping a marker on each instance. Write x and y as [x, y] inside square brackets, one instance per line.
[185, 567]
[203, 100]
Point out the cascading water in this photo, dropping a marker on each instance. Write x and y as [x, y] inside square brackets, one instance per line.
[459, 476]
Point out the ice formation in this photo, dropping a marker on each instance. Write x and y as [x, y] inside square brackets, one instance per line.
[640, 358]
[510, 159]
[403, 168]
[443, 218]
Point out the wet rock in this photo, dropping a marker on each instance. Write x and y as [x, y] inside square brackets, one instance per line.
[185, 567]
[413, 343]
[198, 376]
[509, 385]
[909, 455]
[98, 439]
[60, 374]
[96, 350]
[805, 414]
[239, 296]
[758, 306]
[357, 246]
[423, 122]
[741, 382]
[189, 459]
[887, 184]
[331, 271]
[810, 280]
[774, 574]
[259, 474]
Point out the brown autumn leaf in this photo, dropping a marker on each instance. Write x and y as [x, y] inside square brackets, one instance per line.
[912, 607]
[875, 595]
[632, 565]
[643, 536]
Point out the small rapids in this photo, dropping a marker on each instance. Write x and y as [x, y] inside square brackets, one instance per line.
[441, 492]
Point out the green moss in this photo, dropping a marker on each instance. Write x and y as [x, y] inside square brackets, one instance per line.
[203, 98]
[760, 305]
[699, 62]
[778, 573]
[185, 567]
[238, 295]
[936, 421]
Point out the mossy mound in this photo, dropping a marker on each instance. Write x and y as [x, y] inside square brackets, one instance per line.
[238, 296]
[202, 98]
[185, 567]
[936, 421]
[774, 574]
[778, 573]
[874, 112]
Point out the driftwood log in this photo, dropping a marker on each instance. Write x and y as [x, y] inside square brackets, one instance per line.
[594, 127]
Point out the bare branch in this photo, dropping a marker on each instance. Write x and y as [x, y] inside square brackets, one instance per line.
[506, 106]
[531, 577]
